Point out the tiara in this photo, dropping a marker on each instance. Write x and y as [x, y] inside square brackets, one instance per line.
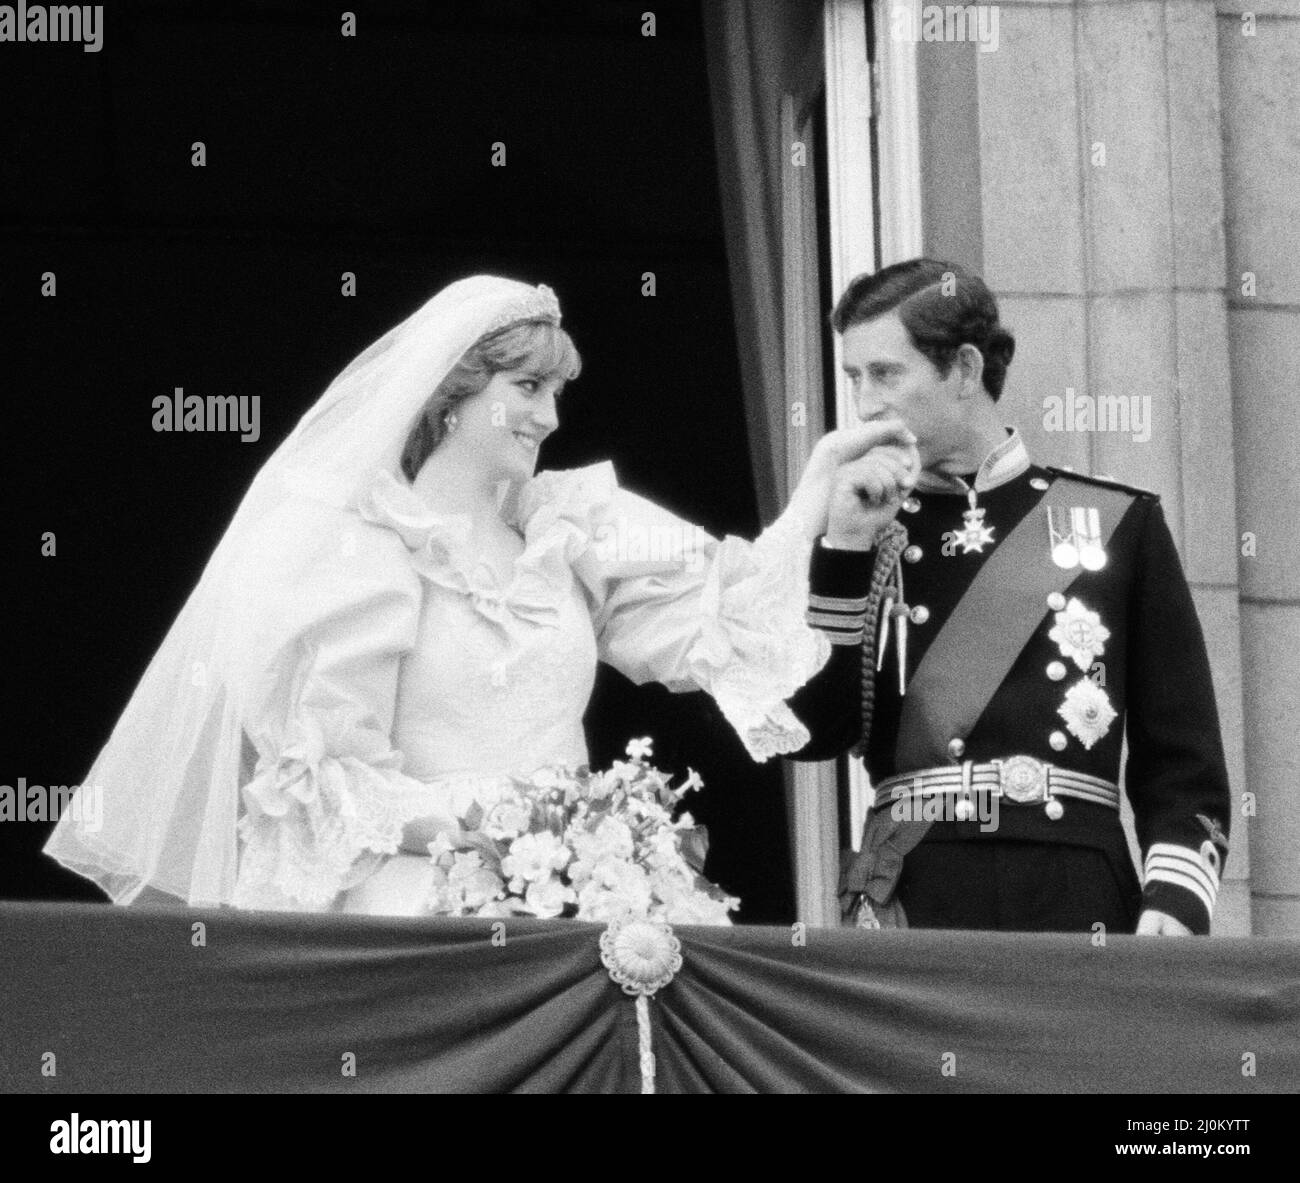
[539, 303]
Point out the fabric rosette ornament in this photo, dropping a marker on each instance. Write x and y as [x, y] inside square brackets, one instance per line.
[594, 846]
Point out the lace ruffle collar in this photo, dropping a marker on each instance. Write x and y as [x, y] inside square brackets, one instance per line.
[556, 512]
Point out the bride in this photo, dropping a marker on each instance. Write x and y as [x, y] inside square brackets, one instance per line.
[402, 615]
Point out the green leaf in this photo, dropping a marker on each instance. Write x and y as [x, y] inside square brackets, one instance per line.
[473, 817]
[695, 847]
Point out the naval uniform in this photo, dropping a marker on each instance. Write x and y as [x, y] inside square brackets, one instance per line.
[996, 769]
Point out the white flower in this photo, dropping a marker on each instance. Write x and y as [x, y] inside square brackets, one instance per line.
[464, 887]
[548, 778]
[611, 840]
[645, 810]
[639, 749]
[621, 774]
[470, 882]
[547, 898]
[664, 850]
[699, 908]
[533, 857]
[615, 889]
[508, 818]
[692, 781]
[440, 845]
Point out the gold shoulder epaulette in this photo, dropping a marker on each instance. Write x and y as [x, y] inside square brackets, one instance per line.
[1108, 482]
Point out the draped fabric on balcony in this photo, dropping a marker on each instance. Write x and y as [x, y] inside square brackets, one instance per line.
[148, 999]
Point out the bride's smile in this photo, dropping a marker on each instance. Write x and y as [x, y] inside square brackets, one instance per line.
[504, 425]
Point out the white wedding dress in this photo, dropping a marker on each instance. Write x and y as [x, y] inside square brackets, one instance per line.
[416, 683]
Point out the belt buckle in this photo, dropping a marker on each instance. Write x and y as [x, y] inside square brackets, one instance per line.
[1023, 779]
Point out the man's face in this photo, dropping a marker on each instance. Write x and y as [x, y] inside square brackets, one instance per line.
[891, 378]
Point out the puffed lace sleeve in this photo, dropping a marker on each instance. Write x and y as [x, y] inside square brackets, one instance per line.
[327, 799]
[672, 604]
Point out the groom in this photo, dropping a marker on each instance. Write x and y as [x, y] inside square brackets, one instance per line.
[1014, 621]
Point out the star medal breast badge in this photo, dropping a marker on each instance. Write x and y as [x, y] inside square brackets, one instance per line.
[1079, 634]
[974, 535]
[1087, 712]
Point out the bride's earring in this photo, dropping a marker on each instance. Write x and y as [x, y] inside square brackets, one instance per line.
[451, 421]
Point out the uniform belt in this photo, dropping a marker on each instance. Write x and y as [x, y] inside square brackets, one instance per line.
[1022, 780]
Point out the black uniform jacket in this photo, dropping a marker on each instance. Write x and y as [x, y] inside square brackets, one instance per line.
[1153, 668]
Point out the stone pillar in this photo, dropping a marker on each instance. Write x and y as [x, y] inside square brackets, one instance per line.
[1101, 177]
[1259, 69]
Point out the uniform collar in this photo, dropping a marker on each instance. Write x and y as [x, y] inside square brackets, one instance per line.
[1006, 462]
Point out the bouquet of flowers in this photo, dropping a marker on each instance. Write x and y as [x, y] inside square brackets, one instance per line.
[596, 846]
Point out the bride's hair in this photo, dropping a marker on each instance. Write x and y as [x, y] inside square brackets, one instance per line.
[538, 346]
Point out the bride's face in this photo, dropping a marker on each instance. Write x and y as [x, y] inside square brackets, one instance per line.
[504, 425]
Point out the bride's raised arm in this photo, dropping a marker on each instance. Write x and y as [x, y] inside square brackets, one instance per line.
[672, 604]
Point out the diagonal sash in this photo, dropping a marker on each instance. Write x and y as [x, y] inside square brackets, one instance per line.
[990, 627]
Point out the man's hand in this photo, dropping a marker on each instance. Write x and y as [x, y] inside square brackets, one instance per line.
[867, 493]
[1160, 924]
[810, 503]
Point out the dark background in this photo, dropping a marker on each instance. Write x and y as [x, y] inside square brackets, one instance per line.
[324, 155]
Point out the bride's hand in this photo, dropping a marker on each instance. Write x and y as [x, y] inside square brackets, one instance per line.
[839, 450]
[867, 495]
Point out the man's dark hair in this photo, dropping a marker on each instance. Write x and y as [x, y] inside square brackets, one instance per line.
[942, 306]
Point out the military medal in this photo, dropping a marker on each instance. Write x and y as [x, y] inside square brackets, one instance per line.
[1079, 634]
[1078, 542]
[1087, 712]
[1087, 529]
[974, 534]
[1064, 552]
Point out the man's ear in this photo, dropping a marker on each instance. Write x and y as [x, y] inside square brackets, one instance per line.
[970, 366]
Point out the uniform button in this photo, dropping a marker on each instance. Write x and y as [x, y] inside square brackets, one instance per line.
[1039, 484]
[1056, 602]
[920, 614]
[1058, 741]
[965, 809]
[956, 748]
[1056, 670]
[912, 554]
[1054, 809]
